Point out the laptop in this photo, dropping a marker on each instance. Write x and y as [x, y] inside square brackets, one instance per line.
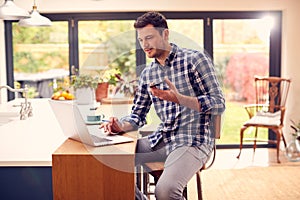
[73, 124]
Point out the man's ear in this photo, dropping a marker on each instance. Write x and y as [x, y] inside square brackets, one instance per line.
[166, 34]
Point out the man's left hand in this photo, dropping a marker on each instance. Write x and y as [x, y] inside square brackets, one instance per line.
[169, 95]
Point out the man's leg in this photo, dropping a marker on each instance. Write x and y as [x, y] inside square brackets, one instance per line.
[180, 166]
[144, 153]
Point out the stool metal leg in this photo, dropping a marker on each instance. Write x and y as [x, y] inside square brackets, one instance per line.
[138, 177]
[185, 193]
[199, 188]
[145, 183]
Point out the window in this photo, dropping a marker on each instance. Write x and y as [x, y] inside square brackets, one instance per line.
[241, 51]
[40, 56]
[107, 44]
[93, 41]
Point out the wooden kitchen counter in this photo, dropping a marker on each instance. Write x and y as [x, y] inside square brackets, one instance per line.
[83, 172]
[80, 171]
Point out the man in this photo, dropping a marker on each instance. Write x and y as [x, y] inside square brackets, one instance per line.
[182, 86]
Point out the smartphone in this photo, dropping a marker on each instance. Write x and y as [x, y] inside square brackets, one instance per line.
[152, 85]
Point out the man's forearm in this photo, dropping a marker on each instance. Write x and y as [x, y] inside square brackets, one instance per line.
[190, 102]
[126, 126]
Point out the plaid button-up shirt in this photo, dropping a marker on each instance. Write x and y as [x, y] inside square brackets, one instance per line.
[193, 74]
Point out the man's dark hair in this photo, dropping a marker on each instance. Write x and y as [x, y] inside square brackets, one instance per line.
[155, 18]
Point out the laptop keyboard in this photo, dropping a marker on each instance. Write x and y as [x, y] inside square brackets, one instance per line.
[99, 139]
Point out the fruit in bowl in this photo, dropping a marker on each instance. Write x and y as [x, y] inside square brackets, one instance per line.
[62, 95]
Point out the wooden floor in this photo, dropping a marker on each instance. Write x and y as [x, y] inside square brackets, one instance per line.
[226, 159]
[263, 157]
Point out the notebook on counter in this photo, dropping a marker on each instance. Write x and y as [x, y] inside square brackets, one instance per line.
[73, 125]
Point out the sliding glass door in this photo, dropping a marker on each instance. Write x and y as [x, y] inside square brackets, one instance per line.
[241, 51]
[40, 57]
[105, 45]
[242, 44]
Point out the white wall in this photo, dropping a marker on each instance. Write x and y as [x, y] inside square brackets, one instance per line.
[291, 28]
[3, 93]
[159, 5]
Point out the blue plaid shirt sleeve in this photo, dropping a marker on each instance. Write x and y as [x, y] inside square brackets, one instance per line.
[209, 91]
[141, 106]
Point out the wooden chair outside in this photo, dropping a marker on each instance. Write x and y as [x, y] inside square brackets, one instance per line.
[268, 111]
[155, 169]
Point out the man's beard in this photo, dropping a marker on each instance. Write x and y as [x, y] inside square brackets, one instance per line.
[156, 53]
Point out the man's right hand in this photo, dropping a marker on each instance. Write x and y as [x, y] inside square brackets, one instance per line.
[112, 127]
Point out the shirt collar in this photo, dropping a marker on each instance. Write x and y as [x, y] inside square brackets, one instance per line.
[171, 56]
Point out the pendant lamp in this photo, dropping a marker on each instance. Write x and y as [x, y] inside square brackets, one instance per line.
[9, 11]
[35, 19]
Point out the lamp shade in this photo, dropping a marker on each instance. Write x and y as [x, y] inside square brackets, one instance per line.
[9, 11]
[35, 19]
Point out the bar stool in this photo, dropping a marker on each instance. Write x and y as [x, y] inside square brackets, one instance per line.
[155, 169]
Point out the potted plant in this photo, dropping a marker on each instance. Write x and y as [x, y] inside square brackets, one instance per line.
[123, 92]
[106, 78]
[84, 86]
[125, 87]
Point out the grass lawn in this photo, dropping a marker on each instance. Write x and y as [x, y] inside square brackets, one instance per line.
[235, 115]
